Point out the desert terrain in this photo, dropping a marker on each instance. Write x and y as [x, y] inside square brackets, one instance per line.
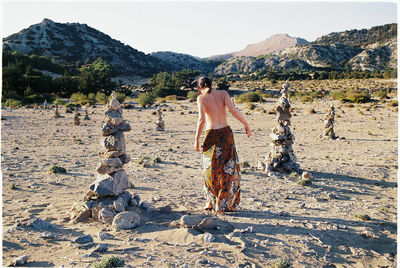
[308, 226]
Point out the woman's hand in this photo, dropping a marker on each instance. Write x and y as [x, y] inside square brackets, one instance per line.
[248, 131]
[196, 145]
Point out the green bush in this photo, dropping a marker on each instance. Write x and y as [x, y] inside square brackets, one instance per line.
[146, 98]
[59, 101]
[12, 103]
[57, 169]
[79, 98]
[280, 263]
[381, 94]
[109, 262]
[192, 95]
[351, 96]
[248, 97]
[120, 97]
[91, 98]
[101, 97]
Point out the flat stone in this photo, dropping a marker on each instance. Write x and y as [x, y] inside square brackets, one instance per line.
[104, 153]
[108, 128]
[20, 261]
[108, 166]
[209, 238]
[191, 221]
[84, 239]
[100, 248]
[42, 225]
[126, 220]
[306, 175]
[114, 117]
[103, 235]
[79, 212]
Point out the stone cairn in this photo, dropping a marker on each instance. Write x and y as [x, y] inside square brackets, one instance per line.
[281, 157]
[45, 105]
[86, 113]
[107, 201]
[329, 120]
[77, 122]
[56, 113]
[160, 123]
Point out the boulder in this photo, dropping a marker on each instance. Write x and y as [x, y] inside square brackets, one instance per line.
[126, 220]
[110, 184]
[106, 215]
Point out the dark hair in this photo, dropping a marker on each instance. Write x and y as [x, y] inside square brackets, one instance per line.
[202, 83]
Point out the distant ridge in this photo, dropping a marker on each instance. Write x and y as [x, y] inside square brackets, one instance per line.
[272, 45]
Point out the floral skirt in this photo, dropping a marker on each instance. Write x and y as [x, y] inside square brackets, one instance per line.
[221, 170]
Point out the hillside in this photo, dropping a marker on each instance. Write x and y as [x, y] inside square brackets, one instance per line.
[71, 43]
[272, 45]
[373, 49]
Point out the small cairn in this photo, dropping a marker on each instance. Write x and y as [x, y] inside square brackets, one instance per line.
[160, 123]
[329, 120]
[77, 122]
[86, 113]
[107, 200]
[56, 113]
[45, 105]
[281, 158]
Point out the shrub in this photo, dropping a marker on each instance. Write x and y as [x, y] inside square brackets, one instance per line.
[91, 98]
[59, 101]
[280, 263]
[351, 96]
[79, 98]
[250, 106]
[109, 262]
[12, 103]
[304, 182]
[393, 103]
[146, 98]
[381, 94]
[363, 217]
[338, 95]
[35, 98]
[192, 95]
[248, 97]
[101, 98]
[57, 169]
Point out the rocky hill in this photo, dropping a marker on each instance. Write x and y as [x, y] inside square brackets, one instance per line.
[373, 49]
[272, 45]
[181, 61]
[69, 43]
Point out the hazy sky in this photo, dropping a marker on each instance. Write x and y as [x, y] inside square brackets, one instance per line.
[201, 28]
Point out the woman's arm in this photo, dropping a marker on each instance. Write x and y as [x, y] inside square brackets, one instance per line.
[236, 113]
[200, 122]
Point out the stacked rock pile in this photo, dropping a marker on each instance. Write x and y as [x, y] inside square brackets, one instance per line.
[107, 201]
[56, 113]
[160, 123]
[281, 157]
[329, 120]
[77, 122]
[86, 113]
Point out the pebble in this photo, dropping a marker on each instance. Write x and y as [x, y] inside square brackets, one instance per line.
[208, 238]
[47, 235]
[20, 261]
[40, 224]
[100, 248]
[302, 205]
[102, 236]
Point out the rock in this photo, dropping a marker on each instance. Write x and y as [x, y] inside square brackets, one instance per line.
[191, 221]
[108, 166]
[260, 165]
[302, 205]
[84, 239]
[135, 201]
[79, 213]
[207, 224]
[104, 153]
[102, 236]
[108, 129]
[20, 261]
[114, 142]
[144, 205]
[126, 220]
[114, 117]
[157, 198]
[42, 225]
[100, 248]
[106, 215]
[47, 235]
[110, 184]
[208, 238]
[306, 175]
[119, 205]
[166, 210]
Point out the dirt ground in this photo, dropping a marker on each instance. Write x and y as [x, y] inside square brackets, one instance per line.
[309, 226]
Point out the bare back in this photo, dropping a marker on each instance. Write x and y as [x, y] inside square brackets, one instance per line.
[215, 109]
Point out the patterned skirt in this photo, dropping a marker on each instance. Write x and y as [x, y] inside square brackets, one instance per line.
[221, 170]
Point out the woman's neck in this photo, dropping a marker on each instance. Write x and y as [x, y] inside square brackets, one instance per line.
[205, 91]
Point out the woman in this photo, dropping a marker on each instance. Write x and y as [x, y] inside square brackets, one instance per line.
[221, 164]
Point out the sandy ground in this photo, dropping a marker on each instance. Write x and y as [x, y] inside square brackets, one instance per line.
[310, 226]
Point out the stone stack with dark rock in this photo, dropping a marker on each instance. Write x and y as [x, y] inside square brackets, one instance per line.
[86, 113]
[281, 158]
[329, 133]
[160, 123]
[77, 122]
[108, 200]
[56, 113]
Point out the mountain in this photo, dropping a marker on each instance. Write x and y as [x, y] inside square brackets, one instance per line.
[366, 49]
[69, 43]
[184, 61]
[272, 45]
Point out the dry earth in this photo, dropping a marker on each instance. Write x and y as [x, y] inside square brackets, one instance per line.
[310, 226]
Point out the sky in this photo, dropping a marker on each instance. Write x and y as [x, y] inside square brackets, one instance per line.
[201, 28]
